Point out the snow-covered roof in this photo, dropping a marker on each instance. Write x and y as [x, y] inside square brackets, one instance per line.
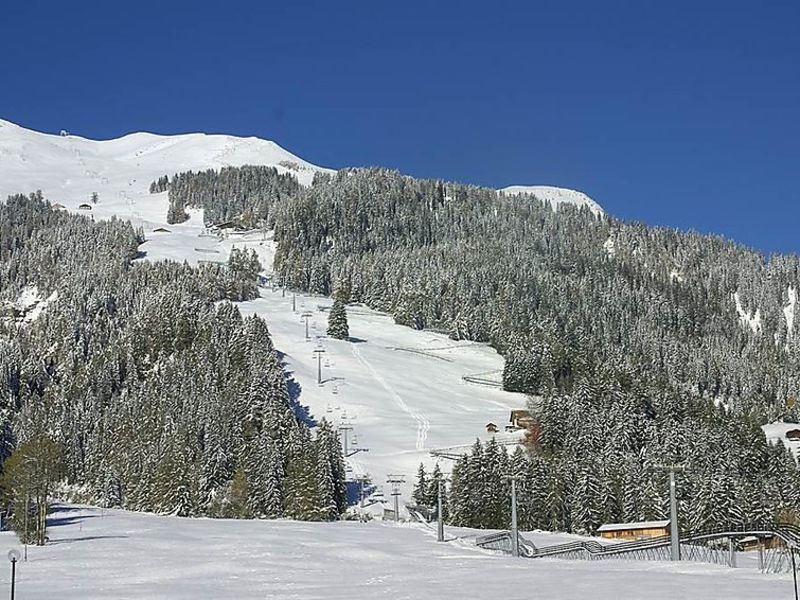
[634, 525]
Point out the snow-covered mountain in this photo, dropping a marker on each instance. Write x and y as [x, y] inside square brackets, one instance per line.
[555, 196]
[400, 390]
[69, 168]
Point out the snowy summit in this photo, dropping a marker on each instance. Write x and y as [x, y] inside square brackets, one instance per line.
[555, 196]
[68, 168]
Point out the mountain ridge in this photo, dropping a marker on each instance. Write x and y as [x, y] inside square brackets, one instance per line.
[80, 158]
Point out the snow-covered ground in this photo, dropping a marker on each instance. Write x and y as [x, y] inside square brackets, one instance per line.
[789, 311]
[776, 432]
[401, 390]
[69, 169]
[555, 196]
[96, 555]
[751, 321]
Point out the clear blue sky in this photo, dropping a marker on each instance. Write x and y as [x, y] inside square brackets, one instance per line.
[677, 113]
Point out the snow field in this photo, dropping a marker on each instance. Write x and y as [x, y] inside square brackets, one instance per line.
[400, 404]
[555, 196]
[96, 555]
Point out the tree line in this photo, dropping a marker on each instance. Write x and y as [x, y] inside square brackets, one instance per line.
[580, 306]
[146, 382]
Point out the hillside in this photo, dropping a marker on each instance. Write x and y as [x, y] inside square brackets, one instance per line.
[401, 390]
[68, 169]
[636, 339]
[555, 196]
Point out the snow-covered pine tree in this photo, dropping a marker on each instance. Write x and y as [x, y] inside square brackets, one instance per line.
[457, 501]
[330, 447]
[337, 321]
[326, 507]
[420, 492]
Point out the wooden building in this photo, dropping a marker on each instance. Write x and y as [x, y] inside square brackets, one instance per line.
[752, 542]
[161, 230]
[84, 207]
[491, 428]
[521, 418]
[634, 531]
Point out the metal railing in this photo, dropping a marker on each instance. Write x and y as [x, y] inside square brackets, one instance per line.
[695, 546]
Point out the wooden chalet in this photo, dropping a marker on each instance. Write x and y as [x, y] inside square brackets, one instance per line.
[161, 230]
[84, 206]
[491, 428]
[520, 419]
[634, 531]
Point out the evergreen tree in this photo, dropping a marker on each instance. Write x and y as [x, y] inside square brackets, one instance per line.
[337, 321]
[420, 493]
[29, 476]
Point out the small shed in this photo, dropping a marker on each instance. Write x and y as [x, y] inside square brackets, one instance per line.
[84, 206]
[634, 531]
[491, 428]
[161, 230]
[793, 434]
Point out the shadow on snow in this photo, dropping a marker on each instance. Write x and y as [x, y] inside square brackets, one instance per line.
[294, 388]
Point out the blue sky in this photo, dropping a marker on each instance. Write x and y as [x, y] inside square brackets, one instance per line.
[676, 113]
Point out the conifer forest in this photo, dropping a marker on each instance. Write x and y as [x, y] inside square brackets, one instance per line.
[637, 346]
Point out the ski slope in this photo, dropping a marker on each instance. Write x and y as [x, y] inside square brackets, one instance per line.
[400, 390]
[69, 169]
[399, 393]
[401, 404]
[98, 555]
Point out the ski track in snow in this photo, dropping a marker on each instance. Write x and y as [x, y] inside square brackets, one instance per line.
[423, 424]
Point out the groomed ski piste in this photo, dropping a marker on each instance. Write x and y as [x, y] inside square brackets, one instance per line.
[401, 391]
[99, 555]
[399, 394]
